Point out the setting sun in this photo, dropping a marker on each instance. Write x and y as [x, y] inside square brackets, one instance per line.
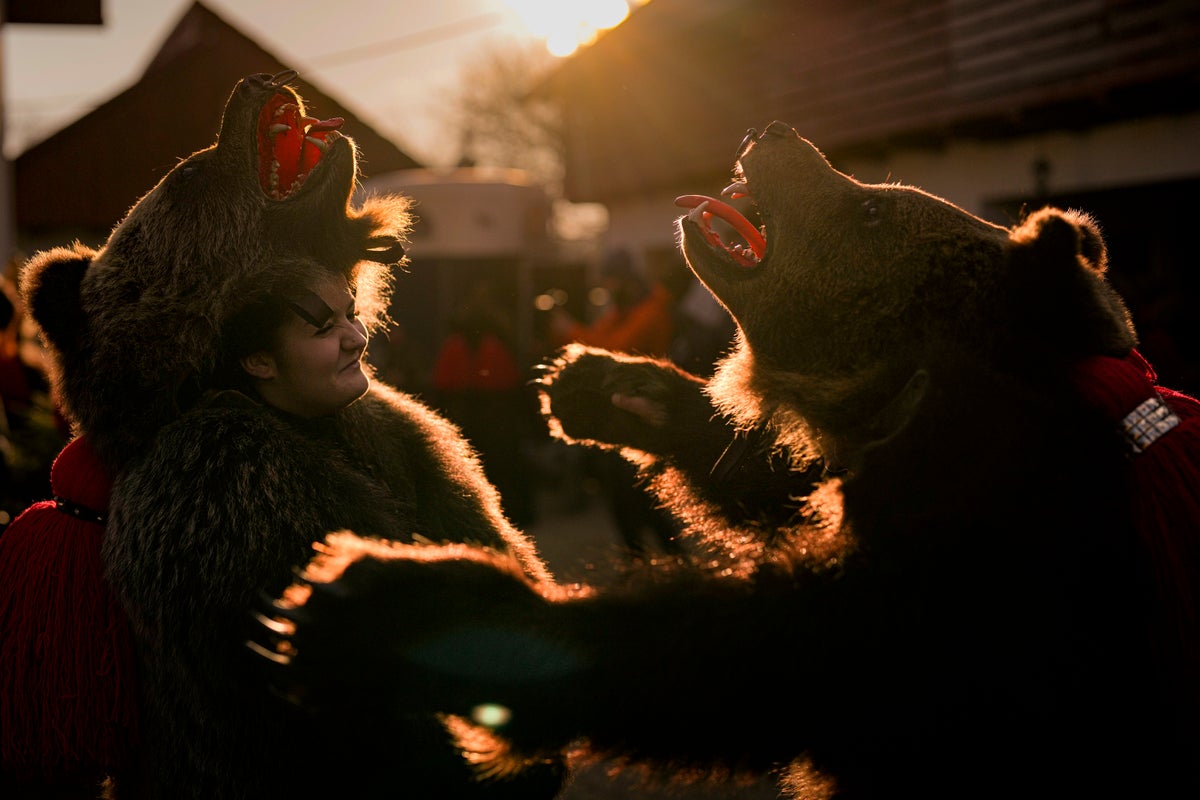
[565, 27]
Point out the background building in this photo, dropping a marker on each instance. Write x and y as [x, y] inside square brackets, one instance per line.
[997, 106]
[80, 181]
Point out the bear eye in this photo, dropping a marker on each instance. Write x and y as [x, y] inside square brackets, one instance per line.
[871, 213]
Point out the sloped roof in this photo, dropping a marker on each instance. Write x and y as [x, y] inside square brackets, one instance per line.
[87, 175]
[679, 82]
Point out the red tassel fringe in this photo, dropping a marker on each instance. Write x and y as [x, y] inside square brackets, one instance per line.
[67, 690]
[1166, 494]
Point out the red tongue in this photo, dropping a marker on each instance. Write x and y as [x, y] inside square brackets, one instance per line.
[731, 215]
[310, 153]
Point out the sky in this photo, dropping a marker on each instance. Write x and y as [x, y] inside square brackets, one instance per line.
[393, 62]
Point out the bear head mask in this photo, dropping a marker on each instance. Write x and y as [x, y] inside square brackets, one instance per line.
[133, 329]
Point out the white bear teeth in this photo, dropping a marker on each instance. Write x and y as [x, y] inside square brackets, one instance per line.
[282, 127]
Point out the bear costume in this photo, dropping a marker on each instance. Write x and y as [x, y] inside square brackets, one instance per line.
[936, 570]
[216, 496]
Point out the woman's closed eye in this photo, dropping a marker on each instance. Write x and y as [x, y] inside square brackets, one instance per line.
[351, 317]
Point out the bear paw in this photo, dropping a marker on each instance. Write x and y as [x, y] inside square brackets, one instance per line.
[614, 400]
[370, 622]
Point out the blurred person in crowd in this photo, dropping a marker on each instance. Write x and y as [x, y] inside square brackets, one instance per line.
[397, 360]
[639, 319]
[704, 331]
[32, 430]
[477, 383]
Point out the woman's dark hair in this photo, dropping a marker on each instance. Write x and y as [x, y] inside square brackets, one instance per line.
[255, 327]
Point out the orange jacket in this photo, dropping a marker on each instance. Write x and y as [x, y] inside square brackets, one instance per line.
[646, 328]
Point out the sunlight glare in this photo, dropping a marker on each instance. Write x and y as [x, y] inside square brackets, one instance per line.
[567, 26]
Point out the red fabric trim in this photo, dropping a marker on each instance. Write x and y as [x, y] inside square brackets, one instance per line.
[1166, 496]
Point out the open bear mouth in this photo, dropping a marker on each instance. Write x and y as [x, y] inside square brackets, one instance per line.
[290, 145]
[748, 253]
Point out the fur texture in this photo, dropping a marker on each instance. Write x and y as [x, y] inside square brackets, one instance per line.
[133, 328]
[191, 564]
[941, 595]
[216, 497]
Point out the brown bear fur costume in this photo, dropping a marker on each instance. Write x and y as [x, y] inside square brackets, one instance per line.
[947, 595]
[215, 496]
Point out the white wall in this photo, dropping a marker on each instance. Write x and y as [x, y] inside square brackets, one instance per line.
[470, 213]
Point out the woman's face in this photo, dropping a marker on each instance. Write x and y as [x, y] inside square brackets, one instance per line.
[316, 367]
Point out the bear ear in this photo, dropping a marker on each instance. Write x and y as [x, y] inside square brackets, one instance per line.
[1061, 237]
[1059, 295]
[385, 222]
[385, 250]
[1091, 244]
[50, 287]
